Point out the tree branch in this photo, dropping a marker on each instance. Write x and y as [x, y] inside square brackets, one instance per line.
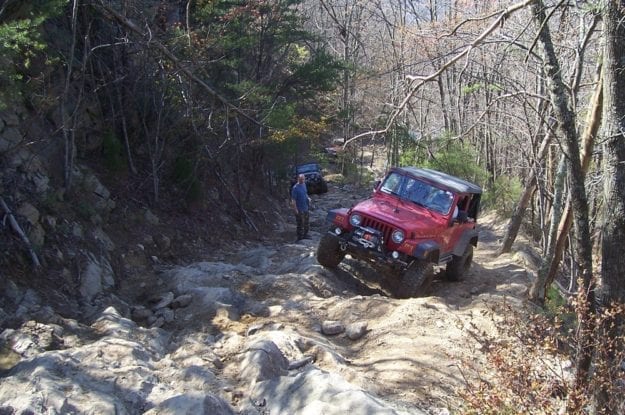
[503, 15]
[16, 227]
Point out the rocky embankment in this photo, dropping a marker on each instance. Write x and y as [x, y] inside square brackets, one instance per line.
[262, 329]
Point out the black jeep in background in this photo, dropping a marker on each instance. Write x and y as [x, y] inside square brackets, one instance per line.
[315, 183]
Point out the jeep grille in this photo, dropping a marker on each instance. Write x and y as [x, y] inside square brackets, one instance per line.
[379, 226]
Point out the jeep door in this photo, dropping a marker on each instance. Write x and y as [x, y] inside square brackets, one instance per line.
[446, 236]
[459, 225]
[454, 229]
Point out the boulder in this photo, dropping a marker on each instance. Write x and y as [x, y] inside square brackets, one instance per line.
[313, 392]
[9, 138]
[330, 327]
[29, 212]
[192, 404]
[263, 361]
[182, 301]
[356, 330]
[96, 276]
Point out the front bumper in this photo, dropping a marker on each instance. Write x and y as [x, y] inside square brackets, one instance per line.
[367, 244]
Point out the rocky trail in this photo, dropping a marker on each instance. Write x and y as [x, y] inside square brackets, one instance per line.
[264, 329]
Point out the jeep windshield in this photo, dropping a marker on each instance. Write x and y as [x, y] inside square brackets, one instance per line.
[417, 192]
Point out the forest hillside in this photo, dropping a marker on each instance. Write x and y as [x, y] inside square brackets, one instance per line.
[146, 152]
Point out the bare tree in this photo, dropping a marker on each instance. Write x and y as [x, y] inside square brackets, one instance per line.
[564, 219]
[67, 113]
[613, 134]
[514, 224]
[567, 125]
[153, 109]
[613, 213]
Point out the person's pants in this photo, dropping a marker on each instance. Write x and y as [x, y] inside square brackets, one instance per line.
[301, 219]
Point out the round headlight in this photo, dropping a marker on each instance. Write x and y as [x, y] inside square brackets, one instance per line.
[355, 219]
[397, 236]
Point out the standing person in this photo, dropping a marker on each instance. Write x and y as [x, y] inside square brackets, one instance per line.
[301, 202]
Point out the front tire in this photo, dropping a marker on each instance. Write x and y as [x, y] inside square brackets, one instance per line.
[329, 252]
[459, 266]
[415, 280]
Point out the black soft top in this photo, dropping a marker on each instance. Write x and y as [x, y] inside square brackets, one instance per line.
[307, 167]
[445, 180]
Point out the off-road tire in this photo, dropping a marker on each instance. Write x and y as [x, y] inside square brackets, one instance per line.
[324, 186]
[329, 253]
[415, 280]
[460, 265]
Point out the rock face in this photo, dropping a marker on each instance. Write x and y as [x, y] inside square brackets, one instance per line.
[126, 370]
[42, 215]
[315, 392]
[162, 361]
[97, 275]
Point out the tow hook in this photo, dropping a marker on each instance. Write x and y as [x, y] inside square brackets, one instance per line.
[343, 245]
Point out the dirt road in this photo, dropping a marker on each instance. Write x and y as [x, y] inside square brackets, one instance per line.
[415, 351]
[263, 328]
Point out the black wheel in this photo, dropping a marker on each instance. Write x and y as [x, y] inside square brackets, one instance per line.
[415, 280]
[324, 186]
[329, 252]
[460, 265]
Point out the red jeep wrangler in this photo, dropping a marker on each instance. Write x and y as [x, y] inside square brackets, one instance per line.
[415, 219]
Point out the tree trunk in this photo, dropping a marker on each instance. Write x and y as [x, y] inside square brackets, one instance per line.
[593, 123]
[613, 224]
[517, 217]
[67, 115]
[613, 218]
[539, 287]
[567, 123]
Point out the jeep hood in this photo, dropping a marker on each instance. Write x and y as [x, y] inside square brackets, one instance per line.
[403, 214]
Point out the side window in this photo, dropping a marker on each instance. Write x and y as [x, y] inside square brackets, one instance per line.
[473, 206]
[463, 203]
[440, 201]
[460, 209]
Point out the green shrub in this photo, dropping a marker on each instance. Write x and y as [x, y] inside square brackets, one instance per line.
[113, 152]
[184, 177]
[458, 159]
[557, 308]
[448, 155]
[503, 195]
[22, 43]
[85, 211]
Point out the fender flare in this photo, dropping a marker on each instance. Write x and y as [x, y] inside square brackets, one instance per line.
[469, 236]
[337, 216]
[427, 251]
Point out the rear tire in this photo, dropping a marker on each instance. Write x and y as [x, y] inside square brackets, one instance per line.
[415, 280]
[459, 266]
[329, 252]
